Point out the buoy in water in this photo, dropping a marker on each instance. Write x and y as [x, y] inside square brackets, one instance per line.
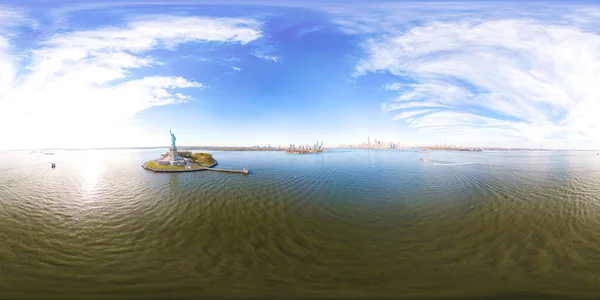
[53, 165]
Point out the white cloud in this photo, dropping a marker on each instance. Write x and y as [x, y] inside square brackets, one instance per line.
[6, 65]
[309, 30]
[516, 78]
[148, 32]
[236, 69]
[10, 17]
[411, 104]
[412, 113]
[267, 57]
[444, 92]
[79, 84]
[389, 17]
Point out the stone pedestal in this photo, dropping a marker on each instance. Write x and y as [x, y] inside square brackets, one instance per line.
[173, 153]
[172, 158]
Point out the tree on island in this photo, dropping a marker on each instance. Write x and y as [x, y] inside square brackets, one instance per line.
[200, 158]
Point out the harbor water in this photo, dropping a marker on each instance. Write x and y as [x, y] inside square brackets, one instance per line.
[342, 223]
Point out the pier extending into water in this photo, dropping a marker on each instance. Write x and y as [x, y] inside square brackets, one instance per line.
[243, 171]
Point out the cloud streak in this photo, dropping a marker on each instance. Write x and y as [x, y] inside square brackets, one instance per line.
[523, 79]
[267, 57]
[81, 82]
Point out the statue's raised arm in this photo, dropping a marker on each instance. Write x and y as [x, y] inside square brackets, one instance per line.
[172, 139]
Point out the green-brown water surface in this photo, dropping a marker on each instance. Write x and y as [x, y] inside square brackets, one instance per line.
[344, 223]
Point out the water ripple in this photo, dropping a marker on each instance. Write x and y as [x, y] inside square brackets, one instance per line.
[339, 223]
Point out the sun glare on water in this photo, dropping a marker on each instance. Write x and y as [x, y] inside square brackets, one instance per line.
[90, 164]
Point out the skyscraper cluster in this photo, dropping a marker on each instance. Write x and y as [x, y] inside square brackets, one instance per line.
[376, 144]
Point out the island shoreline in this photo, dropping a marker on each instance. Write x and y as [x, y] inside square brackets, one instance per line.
[205, 168]
[145, 166]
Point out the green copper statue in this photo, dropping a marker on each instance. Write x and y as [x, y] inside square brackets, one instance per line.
[172, 139]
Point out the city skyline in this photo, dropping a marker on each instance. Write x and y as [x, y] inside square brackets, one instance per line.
[319, 145]
[243, 73]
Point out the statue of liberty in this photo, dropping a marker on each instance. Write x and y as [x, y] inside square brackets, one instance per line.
[172, 139]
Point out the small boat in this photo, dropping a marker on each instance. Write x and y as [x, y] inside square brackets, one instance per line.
[53, 165]
[422, 158]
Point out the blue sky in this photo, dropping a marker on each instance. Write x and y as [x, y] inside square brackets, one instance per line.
[102, 74]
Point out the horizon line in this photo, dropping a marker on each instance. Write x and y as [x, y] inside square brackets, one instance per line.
[336, 147]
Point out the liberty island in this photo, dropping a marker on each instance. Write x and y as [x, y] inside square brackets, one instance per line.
[175, 161]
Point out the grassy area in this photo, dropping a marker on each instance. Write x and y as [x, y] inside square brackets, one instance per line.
[203, 159]
[155, 165]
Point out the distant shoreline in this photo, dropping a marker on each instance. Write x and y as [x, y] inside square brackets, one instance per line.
[216, 148]
[299, 151]
[425, 149]
[219, 148]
